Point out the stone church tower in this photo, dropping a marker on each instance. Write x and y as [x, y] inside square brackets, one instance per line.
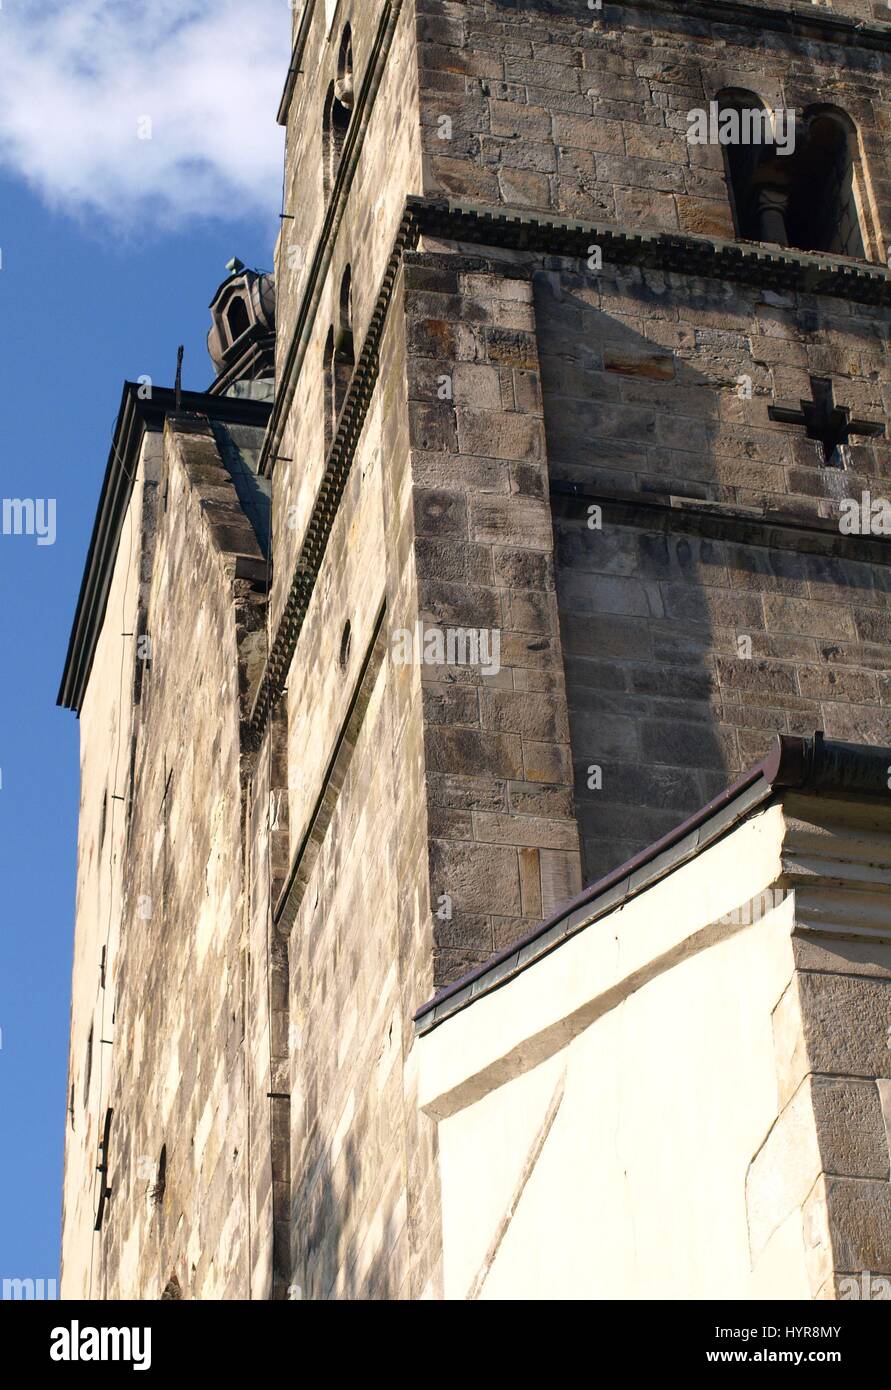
[518, 520]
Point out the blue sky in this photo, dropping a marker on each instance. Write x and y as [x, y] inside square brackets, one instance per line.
[110, 256]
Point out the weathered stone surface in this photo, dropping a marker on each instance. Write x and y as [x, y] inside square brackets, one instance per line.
[860, 1224]
[522, 733]
[477, 876]
[783, 1172]
[581, 461]
[850, 1127]
[846, 1024]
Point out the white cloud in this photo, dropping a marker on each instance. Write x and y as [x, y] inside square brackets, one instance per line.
[78, 78]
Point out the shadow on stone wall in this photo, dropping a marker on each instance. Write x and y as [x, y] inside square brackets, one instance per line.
[625, 415]
[327, 1257]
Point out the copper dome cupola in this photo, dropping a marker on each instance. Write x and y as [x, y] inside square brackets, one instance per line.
[241, 341]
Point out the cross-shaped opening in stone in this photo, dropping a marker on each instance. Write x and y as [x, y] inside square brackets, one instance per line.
[830, 424]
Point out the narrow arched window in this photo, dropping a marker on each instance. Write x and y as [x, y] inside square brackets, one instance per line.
[88, 1068]
[160, 1187]
[339, 359]
[328, 391]
[344, 352]
[792, 177]
[338, 110]
[345, 67]
[823, 212]
[755, 170]
[237, 319]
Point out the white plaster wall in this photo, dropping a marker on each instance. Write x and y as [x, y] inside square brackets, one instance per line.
[660, 1034]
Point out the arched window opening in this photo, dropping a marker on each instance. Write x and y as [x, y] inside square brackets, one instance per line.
[346, 645]
[344, 353]
[338, 111]
[328, 391]
[237, 319]
[792, 184]
[757, 174]
[160, 1187]
[822, 204]
[345, 68]
[337, 120]
[88, 1068]
[345, 302]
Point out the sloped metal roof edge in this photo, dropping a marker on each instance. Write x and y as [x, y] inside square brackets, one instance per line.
[812, 764]
[135, 417]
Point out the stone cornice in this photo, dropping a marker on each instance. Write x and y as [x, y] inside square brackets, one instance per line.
[746, 263]
[836, 858]
[797, 20]
[776, 530]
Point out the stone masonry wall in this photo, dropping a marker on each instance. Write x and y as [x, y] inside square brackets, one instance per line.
[387, 169]
[719, 602]
[559, 109]
[692, 628]
[504, 844]
[580, 462]
[267, 1033]
[364, 1205]
[176, 1066]
[364, 1199]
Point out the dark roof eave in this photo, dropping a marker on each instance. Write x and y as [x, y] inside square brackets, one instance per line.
[135, 417]
[811, 764]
